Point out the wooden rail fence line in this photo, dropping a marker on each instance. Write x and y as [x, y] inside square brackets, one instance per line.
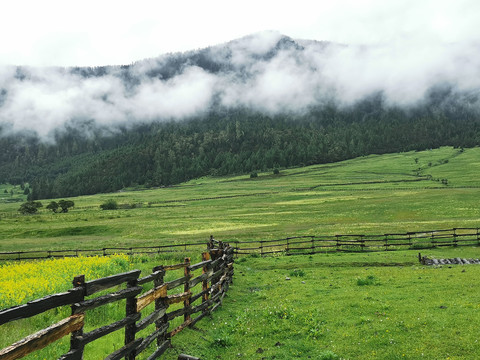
[136, 250]
[306, 245]
[216, 276]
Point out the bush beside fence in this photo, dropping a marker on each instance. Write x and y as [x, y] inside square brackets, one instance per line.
[216, 276]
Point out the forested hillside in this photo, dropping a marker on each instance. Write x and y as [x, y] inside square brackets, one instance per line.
[249, 105]
[222, 143]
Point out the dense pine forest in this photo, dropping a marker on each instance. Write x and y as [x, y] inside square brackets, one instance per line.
[228, 142]
[143, 125]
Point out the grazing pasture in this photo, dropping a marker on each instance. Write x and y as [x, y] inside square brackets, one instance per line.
[369, 195]
[382, 305]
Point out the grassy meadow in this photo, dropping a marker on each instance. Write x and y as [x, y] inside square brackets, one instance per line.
[381, 305]
[375, 194]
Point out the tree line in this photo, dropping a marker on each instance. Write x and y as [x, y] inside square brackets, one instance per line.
[229, 141]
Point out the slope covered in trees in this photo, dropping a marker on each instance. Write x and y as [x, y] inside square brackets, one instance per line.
[228, 142]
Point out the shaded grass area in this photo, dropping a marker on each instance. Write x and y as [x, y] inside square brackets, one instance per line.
[347, 306]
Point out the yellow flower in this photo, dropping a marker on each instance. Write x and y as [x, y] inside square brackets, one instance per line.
[25, 281]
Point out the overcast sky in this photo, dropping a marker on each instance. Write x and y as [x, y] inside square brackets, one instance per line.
[105, 32]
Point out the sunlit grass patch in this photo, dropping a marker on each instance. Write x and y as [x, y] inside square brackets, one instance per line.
[219, 227]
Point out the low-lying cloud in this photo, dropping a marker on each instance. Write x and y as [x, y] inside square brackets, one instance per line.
[265, 72]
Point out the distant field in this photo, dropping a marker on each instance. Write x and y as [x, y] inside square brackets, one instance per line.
[374, 194]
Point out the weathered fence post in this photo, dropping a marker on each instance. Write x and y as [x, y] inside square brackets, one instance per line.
[131, 309]
[159, 304]
[362, 242]
[186, 289]
[205, 257]
[261, 247]
[76, 347]
[455, 240]
[313, 245]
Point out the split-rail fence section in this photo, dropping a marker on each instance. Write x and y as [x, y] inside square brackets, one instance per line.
[216, 275]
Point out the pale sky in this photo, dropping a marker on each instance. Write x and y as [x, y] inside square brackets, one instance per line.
[105, 32]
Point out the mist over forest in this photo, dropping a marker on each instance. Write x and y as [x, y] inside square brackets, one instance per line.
[261, 102]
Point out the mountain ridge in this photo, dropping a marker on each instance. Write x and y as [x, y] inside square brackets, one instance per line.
[256, 103]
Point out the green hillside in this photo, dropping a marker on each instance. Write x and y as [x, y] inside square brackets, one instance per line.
[381, 305]
[375, 194]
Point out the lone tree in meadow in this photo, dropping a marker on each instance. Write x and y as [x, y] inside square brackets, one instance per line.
[30, 207]
[53, 206]
[64, 205]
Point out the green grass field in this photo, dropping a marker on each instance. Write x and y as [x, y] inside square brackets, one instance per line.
[344, 306]
[352, 306]
[373, 195]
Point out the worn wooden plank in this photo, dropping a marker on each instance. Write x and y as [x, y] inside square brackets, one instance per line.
[216, 262]
[215, 307]
[105, 330]
[199, 265]
[106, 299]
[218, 284]
[160, 350]
[38, 306]
[152, 277]
[42, 338]
[110, 281]
[150, 296]
[176, 266]
[201, 306]
[125, 350]
[150, 319]
[176, 298]
[200, 278]
[176, 313]
[199, 295]
[179, 328]
[177, 282]
[150, 338]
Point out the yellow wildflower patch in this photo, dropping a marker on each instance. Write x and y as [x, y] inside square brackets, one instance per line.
[25, 281]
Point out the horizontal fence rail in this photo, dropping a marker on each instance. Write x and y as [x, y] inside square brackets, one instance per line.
[155, 308]
[301, 245]
[136, 250]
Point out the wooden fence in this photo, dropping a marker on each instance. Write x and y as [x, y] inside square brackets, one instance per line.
[136, 250]
[143, 308]
[302, 245]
